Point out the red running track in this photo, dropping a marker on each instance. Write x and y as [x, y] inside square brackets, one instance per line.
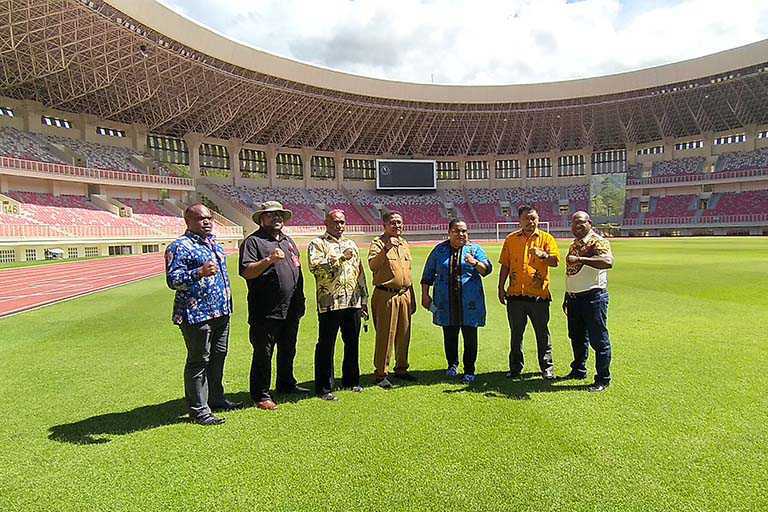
[32, 287]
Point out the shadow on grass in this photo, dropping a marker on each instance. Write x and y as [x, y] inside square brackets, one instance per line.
[95, 430]
[494, 384]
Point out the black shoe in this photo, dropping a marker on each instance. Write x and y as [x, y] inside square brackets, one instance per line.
[295, 390]
[406, 376]
[227, 406]
[330, 397]
[207, 420]
[597, 387]
[548, 374]
[512, 375]
[574, 376]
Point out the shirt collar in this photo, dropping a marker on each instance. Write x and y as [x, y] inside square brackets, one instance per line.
[329, 236]
[520, 232]
[200, 239]
[587, 237]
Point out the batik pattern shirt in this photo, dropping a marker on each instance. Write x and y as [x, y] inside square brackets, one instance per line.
[198, 299]
[580, 277]
[340, 284]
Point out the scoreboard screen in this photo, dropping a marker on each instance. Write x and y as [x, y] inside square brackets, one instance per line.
[406, 175]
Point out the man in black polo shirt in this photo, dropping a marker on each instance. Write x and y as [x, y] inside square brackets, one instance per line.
[269, 262]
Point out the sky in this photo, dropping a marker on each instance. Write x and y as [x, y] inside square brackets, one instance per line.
[484, 42]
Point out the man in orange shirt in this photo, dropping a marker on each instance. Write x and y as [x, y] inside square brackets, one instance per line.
[525, 259]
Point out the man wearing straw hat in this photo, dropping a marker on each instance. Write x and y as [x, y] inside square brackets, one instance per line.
[269, 262]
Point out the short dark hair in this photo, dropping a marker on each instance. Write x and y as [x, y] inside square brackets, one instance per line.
[453, 222]
[525, 208]
[188, 209]
[385, 218]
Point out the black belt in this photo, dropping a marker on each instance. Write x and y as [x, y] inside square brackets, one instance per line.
[588, 293]
[528, 298]
[398, 291]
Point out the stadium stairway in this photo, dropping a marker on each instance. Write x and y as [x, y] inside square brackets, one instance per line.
[226, 207]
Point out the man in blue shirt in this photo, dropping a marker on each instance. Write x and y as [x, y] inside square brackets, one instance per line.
[196, 267]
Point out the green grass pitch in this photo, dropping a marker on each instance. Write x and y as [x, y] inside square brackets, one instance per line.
[91, 407]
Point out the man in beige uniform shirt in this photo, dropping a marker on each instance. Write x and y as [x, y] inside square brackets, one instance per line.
[393, 301]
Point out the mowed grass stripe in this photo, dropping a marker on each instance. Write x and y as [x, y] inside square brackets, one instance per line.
[94, 389]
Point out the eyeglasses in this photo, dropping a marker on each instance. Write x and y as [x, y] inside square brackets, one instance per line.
[275, 215]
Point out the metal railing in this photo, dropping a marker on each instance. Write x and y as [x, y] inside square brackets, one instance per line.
[29, 231]
[688, 178]
[707, 219]
[86, 172]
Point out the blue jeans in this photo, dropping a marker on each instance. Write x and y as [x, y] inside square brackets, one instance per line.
[587, 325]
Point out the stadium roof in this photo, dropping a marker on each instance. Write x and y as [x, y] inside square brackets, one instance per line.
[136, 61]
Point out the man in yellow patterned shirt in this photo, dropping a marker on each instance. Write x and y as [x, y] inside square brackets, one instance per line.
[525, 259]
[342, 298]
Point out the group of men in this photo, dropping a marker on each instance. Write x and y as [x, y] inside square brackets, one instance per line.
[270, 263]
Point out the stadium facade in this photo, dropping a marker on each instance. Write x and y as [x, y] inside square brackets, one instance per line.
[119, 112]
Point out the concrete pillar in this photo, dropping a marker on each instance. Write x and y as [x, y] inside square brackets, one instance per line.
[32, 112]
[137, 133]
[306, 166]
[233, 147]
[492, 179]
[462, 162]
[194, 140]
[3, 184]
[338, 163]
[271, 154]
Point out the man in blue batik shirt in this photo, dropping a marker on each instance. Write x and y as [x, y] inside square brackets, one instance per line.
[196, 267]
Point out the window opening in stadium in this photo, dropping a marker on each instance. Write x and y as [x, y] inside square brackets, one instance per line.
[476, 170]
[703, 204]
[110, 132]
[506, 169]
[30, 254]
[323, 167]
[7, 112]
[150, 248]
[72, 253]
[737, 138]
[168, 149]
[645, 207]
[570, 165]
[120, 250]
[253, 163]
[289, 166]
[763, 135]
[609, 162]
[540, 167]
[7, 256]
[448, 171]
[91, 252]
[359, 169]
[55, 121]
[691, 144]
[653, 150]
[214, 160]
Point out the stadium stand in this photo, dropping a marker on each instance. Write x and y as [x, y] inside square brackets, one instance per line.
[23, 145]
[742, 160]
[682, 166]
[100, 156]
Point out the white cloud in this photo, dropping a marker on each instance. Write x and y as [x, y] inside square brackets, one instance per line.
[488, 42]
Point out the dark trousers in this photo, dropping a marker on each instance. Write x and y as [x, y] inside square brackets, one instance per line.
[518, 313]
[264, 336]
[348, 320]
[206, 351]
[587, 325]
[451, 344]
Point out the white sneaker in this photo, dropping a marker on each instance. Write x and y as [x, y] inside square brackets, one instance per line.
[384, 383]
